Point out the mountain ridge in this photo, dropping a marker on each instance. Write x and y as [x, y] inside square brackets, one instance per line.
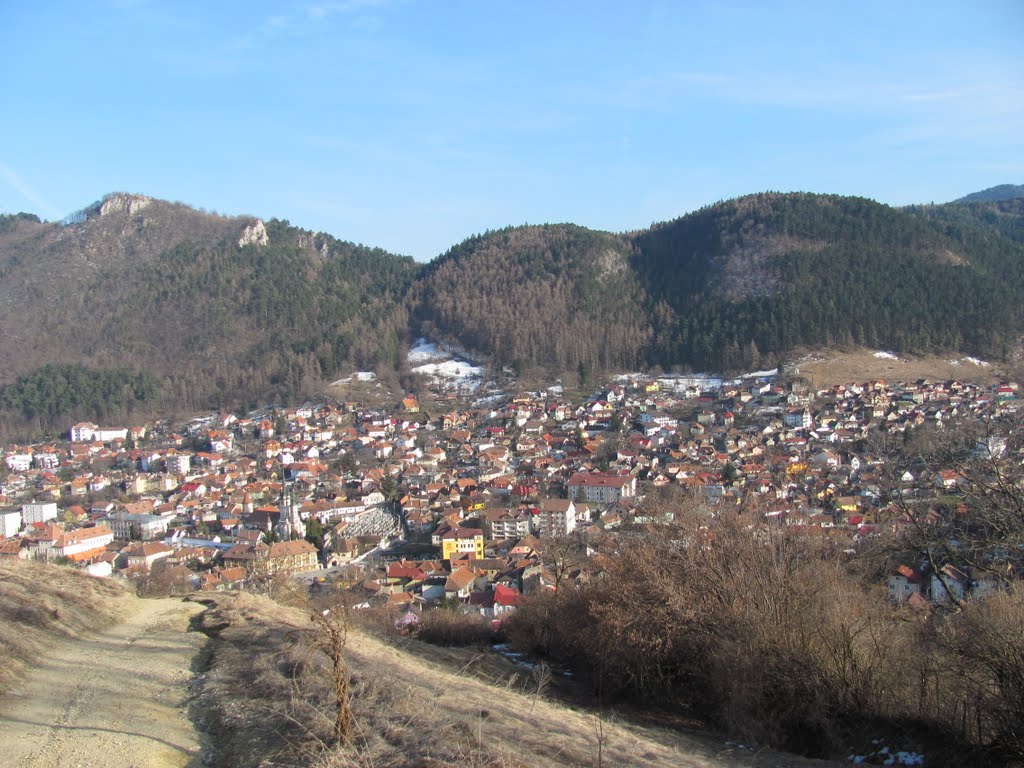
[235, 310]
[994, 194]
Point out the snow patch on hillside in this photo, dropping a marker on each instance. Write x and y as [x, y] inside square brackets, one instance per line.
[445, 365]
[426, 351]
[704, 382]
[357, 376]
[886, 356]
[971, 361]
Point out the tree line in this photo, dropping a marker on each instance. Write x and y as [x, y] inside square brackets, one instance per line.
[51, 397]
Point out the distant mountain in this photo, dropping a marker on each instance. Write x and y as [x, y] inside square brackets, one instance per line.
[733, 286]
[1001, 217]
[1001, 192]
[219, 311]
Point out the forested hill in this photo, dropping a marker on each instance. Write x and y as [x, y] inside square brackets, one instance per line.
[220, 311]
[764, 273]
[557, 297]
[734, 286]
[986, 218]
[1000, 192]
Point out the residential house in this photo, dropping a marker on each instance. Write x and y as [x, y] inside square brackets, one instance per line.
[143, 555]
[950, 584]
[598, 488]
[10, 523]
[138, 526]
[292, 556]
[462, 541]
[38, 512]
[904, 581]
[557, 517]
[508, 524]
[82, 544]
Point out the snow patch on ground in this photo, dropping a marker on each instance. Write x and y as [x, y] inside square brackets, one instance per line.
[886, 356]
[445, 366]
[702, 381]
[426, 351]
[357, 376]
[455, 371]
[971, 360]
[766, 374]
[422, 351]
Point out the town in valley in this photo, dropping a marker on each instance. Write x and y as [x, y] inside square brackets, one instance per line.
[466, 504]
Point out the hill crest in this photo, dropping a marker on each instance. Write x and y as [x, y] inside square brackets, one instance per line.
[229, 310]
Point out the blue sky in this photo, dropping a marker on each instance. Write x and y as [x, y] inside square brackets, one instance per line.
[412, 124]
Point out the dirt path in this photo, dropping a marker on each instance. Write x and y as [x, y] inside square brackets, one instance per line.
[115, 698]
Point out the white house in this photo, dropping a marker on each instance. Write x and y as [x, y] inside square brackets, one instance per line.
[10, 523]
[19, 462]
[82, 543]
[179, 463]
[82, 432]
[600, 488]
[796, 418]
[904, 581]
[46, 460]
[38, 512]
[557, 517]
[106, 434]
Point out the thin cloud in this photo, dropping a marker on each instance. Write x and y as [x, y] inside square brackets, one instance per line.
[23, 189]
[343, 7]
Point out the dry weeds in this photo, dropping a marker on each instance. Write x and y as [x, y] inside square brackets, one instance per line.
[826, 368]
[266, 699]
[40, 604]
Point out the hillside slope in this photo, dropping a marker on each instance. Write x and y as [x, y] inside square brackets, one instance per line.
[266, 698]
[765, 273]
[225, 312]
[999, 192]
[41, 605]
[560, 297]
[218, 308]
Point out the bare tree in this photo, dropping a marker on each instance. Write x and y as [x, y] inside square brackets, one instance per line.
[331, 635]
[969, 512]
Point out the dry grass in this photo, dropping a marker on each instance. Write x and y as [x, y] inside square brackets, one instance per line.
[266, 700]
[826, 368]
[41, 604]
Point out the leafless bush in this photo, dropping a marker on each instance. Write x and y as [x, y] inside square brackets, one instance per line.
[984, 650]
[444, 626]
[762, 635]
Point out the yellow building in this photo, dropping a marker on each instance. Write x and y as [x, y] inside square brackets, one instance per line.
[463, 541]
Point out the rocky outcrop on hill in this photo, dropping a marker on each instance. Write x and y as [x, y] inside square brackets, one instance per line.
[254, 234]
